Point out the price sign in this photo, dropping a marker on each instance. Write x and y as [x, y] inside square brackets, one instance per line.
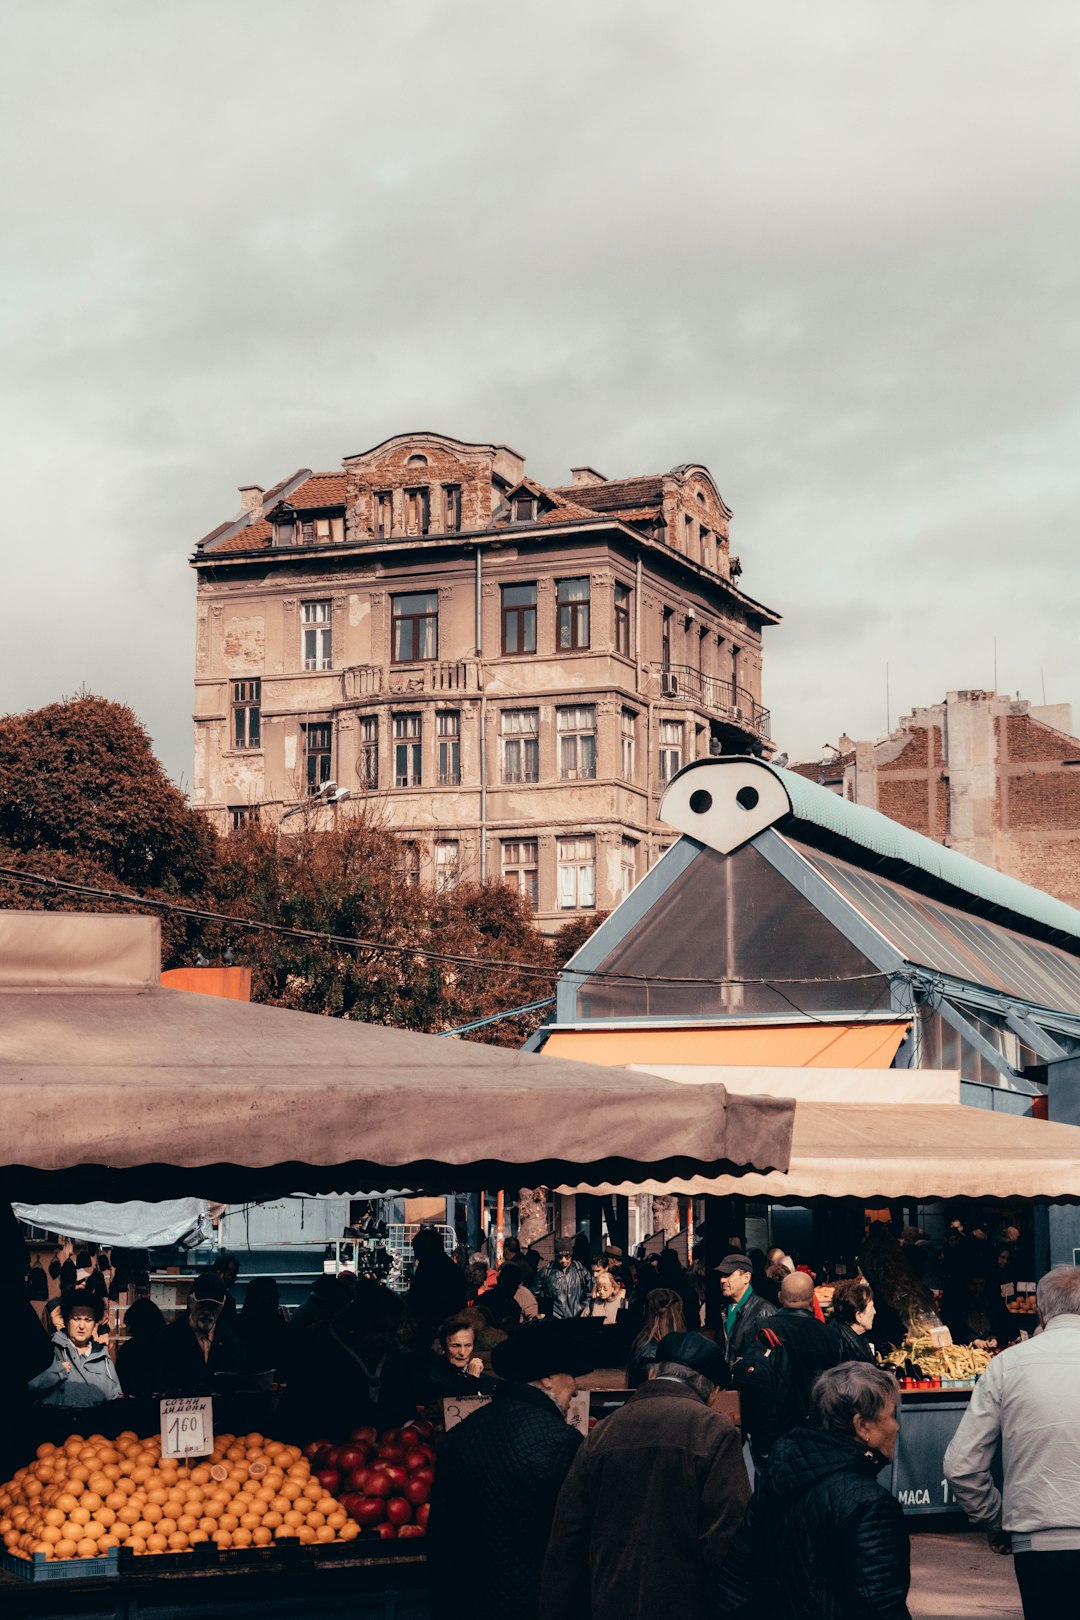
[457, 1409]
[187, 1426]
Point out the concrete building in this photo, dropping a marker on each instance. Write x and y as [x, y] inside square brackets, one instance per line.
[512, 672]
[994, 777]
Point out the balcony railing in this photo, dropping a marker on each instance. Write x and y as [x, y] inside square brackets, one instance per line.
[406, 680]
[733, 703]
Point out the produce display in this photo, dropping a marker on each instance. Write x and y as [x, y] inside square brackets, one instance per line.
[1023, 1305]
[80, 1499]
[383, 1482]
[922, 1358]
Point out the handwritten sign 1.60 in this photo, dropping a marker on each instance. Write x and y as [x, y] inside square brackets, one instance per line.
[187, 1426]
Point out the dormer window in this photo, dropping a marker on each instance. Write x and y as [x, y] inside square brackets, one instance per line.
[285, 531]
[324, 531]
[523, 507]
[417, 460]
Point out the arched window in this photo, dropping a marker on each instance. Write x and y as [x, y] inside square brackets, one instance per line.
[417, 461]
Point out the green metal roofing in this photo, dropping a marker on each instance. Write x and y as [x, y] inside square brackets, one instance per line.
[890, 840]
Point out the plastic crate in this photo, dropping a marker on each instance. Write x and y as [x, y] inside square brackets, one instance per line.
[40, 1568]
[204, 1555]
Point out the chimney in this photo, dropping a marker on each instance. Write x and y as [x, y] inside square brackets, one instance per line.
[587, 475]
[251, 496]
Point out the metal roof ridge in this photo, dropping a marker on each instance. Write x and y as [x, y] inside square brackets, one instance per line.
[890, 839]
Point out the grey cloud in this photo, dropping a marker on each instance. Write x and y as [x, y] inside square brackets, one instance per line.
[829, 251]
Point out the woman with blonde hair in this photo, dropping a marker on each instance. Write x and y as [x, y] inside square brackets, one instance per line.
[663, 1314]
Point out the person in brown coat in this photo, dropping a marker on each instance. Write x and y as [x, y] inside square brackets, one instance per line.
[652, 1501]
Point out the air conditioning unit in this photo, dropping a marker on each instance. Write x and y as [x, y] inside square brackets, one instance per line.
[669, 684]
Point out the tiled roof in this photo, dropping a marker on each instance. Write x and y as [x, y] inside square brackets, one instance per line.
[321, 489]
[616, 497]
[255, 537]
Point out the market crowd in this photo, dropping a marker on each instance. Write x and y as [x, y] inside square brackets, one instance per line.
[665, 1508]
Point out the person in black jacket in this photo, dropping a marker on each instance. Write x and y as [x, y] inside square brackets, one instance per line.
[744, 1311]
[775, 1386]
[845, 1548]
[502, 1468]
[852, 1318]
[196, 1347]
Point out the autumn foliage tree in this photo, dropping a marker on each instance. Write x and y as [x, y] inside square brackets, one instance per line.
[84, 800]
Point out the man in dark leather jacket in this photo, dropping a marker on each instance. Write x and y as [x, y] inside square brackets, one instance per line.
[744, 1311]
[845, 1547]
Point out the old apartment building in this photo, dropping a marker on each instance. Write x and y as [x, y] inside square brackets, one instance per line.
[995, 777]
[513, 671]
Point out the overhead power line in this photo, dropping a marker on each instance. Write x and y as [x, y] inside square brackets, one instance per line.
[384, 947]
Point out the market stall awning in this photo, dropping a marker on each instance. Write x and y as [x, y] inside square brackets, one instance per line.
[113, 1087]
[910, 1150]
[843, 1044]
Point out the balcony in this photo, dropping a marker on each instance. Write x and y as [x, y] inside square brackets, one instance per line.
[729, 702]
[432, 677]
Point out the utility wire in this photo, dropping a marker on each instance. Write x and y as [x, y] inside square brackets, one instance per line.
[344, 942]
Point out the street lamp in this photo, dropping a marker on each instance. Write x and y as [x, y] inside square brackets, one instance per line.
[329, 793]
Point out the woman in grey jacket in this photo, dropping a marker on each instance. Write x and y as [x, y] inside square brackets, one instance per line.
[82, 1373]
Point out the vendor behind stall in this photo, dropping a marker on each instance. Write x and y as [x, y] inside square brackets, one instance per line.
[82, 1373]
[198, 1346]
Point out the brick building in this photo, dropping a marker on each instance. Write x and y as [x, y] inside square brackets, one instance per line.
[994, 777]
[512, 671]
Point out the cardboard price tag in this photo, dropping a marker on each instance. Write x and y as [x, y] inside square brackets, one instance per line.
[457, 1408]
[187, 1426]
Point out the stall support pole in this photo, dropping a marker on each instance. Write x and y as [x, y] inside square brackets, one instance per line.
[500, 1217]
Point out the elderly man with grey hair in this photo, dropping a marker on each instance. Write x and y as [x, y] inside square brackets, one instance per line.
[1027, 1402]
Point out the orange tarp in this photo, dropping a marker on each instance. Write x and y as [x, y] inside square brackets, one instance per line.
[791, 1046]
[231, 983]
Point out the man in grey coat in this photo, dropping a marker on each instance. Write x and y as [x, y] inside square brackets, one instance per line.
[1028, 1403]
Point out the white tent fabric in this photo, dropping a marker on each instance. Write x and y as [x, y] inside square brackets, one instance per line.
[132, 1225]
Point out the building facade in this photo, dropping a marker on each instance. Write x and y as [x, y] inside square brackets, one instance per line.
[994, 777]
[506, 674]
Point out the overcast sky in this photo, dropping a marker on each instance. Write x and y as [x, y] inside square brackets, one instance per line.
[829, 250]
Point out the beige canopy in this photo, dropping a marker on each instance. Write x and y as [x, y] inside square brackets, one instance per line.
[112, 1087]
[908, 1150]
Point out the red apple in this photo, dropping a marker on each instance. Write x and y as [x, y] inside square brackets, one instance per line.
[422, 1427]
[422, 1515]
[325, 1457]
[329, 1479]
[398, 1511]
[395, 1472]
[390, 1454]
[410, 1436]
[350, 1457]
[369, 1512]
[390, 1437]
[416, 1490]
[378, 1483]
[411, 1530]
[313, 1447]
[387, 1531]
[418, 1457]
[357, 1479]
[349, 1502]
[363, 1437]
[427, 1475]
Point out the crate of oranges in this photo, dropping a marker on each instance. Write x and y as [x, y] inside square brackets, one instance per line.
[91, 1504]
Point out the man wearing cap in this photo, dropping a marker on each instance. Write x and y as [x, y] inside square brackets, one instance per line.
[198, 1345]
[653, 1499]
[744, 1311]
[499, 1474]
[565, 1285]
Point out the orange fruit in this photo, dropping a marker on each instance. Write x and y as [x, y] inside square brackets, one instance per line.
[223, 1538]
[166, 1527]
[65, 1548]
[349, 1531]
[156, 1544]
[142, 1528]
[87, 1548]
[178, 1542]
[91, 1501]
[241, 1538]
[120, 1531]
[208, 1524]
[272, 1521]
[46, 1449]
[51, 1534]
[195, 1536]
[336, 1519]
[261, 1536]
[305, 1534]
[187, 1522]
[136, 1544]
[66, 1502]
[105, 1515]
[79, 1515]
